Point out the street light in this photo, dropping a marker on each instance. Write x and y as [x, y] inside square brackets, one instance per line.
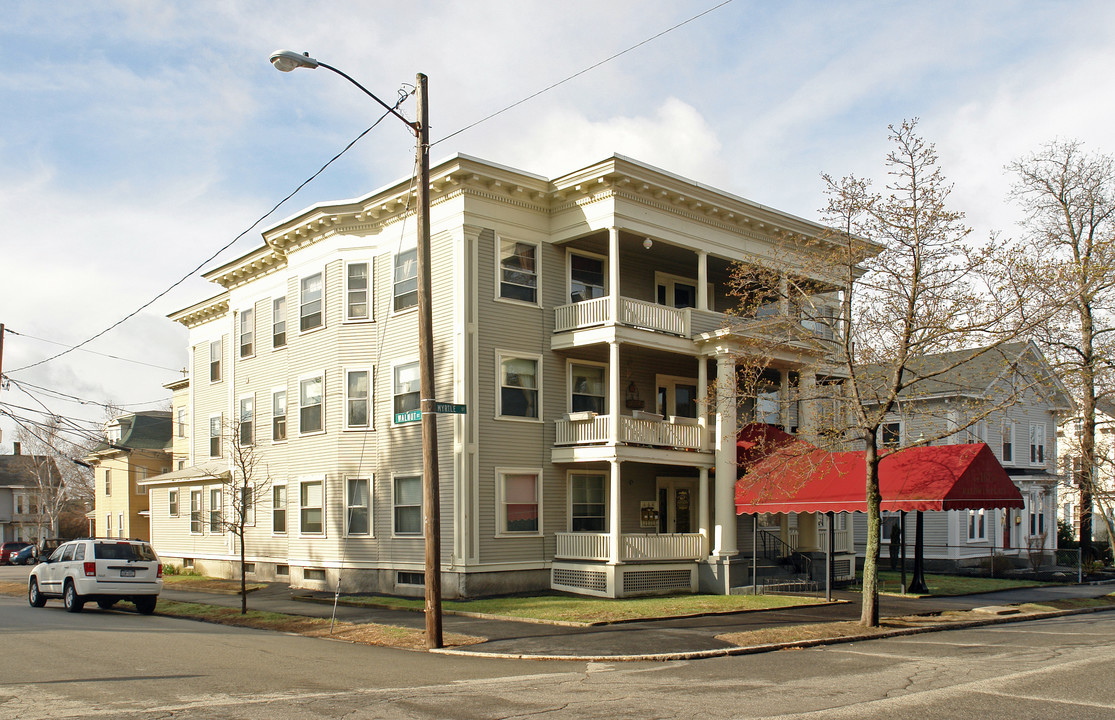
[286, 61]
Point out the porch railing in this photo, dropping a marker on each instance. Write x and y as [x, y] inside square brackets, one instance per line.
[633, 313]
[843, 540]
[632, 431]
[633, 547]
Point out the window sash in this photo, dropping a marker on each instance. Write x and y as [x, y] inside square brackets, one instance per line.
[357, 397]
[215, 436]
[587, 388]
[518, 387]
[278, 508]
[520, 506]
[310, 310]
[278, 322]
[247, 331]
[310, 405]
[357, 508]
[588, 512]
[215, 354]
[215, 510]
[356, 282]
[195, 512]
[311, 504]
[586, 277]
[407, 395]
[247, 421]
[172, 503]
[405, 291]
[408, 505]
[278, 416]
[518, 271]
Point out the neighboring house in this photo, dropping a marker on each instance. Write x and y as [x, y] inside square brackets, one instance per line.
[1069, 433]
[579, 320]
[136, 446]
[1009, 398]
[23, 481]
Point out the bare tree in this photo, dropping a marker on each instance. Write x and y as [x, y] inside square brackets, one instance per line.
[52, 468]
[247, 483]
[1066, 260]
[896, 281]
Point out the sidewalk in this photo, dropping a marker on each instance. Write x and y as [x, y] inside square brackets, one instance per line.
[652, 639]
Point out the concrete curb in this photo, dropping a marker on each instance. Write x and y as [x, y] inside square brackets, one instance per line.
[756, 649]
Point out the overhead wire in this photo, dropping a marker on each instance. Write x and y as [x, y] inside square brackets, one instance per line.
[92, 352]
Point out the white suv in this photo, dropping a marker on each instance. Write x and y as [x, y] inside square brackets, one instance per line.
[103, 570]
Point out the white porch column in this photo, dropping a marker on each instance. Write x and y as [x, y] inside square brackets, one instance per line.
[807, 533]
[726, 470]
[613, 393]
[614, 514]
[807, 404]
[702, 280]
[702, 403]
[702, 510]
[613, 271]
[784, 392]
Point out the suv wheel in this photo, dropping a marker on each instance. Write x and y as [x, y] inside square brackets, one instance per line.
[73, 602]
[33, 595]
[146, 604]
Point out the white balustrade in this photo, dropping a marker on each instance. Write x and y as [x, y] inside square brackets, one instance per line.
[584, 546]
[584, 314]
[652, 316]
[659, 433]
[582, 432]
[635, 547]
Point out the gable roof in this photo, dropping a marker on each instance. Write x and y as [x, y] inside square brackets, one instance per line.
[19, 470]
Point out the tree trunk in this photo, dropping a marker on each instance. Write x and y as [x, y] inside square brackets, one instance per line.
[243, 572]
[869, 616]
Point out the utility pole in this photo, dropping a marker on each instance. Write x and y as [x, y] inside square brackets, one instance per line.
[431, 493]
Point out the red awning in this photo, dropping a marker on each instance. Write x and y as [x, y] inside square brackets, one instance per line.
[796, 477]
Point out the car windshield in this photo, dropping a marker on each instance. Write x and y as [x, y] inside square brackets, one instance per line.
[123, 551]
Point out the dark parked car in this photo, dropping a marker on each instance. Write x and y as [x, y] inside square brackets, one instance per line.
[27, 556]
[9, 549]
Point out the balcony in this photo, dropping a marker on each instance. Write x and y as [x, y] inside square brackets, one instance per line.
[591, 429]
[639, 547]
[633, 313]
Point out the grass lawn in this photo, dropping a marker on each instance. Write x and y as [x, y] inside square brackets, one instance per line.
[947, 585]
[202, 583]
[564, 608]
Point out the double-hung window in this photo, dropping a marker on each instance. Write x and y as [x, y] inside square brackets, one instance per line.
[108, 483]
[181, 422]
[586, 277]
[587, 506]
[358, 396]
[311, 399]
[356, 510]
[1008, 442]
[977, 525]
[356, 292]
[1037, 443]
[406, 392]
[215, 436]
[408, 505]
[518, 387]
[195, 512]
[519, 502]
[311, 505]
[405, 291]
[247, 332]
[518, 270]
[246, 426]
[890, 433]
[278, 509]
[172, 503]
[587, 388]
[312, 304]
[278, 416]
[278, 322]
[215, 525]
[215, 353]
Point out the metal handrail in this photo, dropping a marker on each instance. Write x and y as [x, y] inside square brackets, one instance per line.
[774, 548]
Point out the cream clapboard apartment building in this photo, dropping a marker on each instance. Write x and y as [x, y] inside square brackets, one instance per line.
[579, 320]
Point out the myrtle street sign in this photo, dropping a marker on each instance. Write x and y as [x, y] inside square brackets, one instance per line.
[440, 408]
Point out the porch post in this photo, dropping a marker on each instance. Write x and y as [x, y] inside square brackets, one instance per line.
[784, 391]
[614, 514]
[807, 533]
[726, 470]
[702, 510]
[613, 393]
[702, 405]
[807, 404]
[702, 280]
[613, 271]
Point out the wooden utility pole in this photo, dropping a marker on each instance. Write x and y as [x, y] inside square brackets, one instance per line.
[431, 494]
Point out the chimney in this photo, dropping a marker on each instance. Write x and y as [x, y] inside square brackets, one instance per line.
[15, 448]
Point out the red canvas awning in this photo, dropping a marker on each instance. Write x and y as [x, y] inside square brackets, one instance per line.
[796, 477]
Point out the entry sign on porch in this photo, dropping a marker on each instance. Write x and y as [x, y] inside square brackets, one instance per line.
[441, 408]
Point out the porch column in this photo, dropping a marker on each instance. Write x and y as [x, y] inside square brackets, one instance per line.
[807, 533]
[726, 470]
[702, 510]
[702, 404]
[613, 393]
[783, 296]
[614, 514]
[702, 280]
[784, 391]
[613, 271]
[807, 404]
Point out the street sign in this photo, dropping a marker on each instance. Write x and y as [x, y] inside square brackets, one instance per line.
[440, 408]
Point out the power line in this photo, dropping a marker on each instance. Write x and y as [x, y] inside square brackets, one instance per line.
[92, 352]
[582, 72]
[83, 401]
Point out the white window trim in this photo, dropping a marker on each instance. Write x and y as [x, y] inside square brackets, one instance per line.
[671, 382]
[219, 489]
[271, 414]
[177, 504]
[324, 426]
[1030, 442]
[200, 510]
[421, 516]
[220, 361]
[285, 508]
[286, 323]
[209, 436]
[371, 502]
[239, 419]
[501, 518]
[413, 308]
[569, 498]
[1008, 433]
[249, 490]
[324, 323]
[324, 504]
[891, 420]
[240, 333]
[671, 281]
[511, 355]
[569, 382]
[369, 291]
[569, 271]
[371, 398]
[394, 365]
[537, 273]
[968, 530]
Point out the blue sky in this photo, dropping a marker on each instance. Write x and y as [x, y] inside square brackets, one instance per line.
[139, 137]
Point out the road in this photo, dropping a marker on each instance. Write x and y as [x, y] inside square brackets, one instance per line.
[122, 665]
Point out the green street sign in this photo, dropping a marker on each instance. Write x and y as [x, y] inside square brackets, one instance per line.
[408, 416]
[450, 409]
[440, 408]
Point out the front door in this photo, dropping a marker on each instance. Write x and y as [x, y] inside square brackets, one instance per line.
[677, 505]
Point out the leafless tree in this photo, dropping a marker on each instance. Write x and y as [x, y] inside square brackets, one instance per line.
[1066, 260]
[58, 480]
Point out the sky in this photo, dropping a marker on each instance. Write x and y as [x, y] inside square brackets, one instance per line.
[138, 138]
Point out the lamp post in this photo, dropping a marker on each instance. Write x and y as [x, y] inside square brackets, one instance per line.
[286, 61]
